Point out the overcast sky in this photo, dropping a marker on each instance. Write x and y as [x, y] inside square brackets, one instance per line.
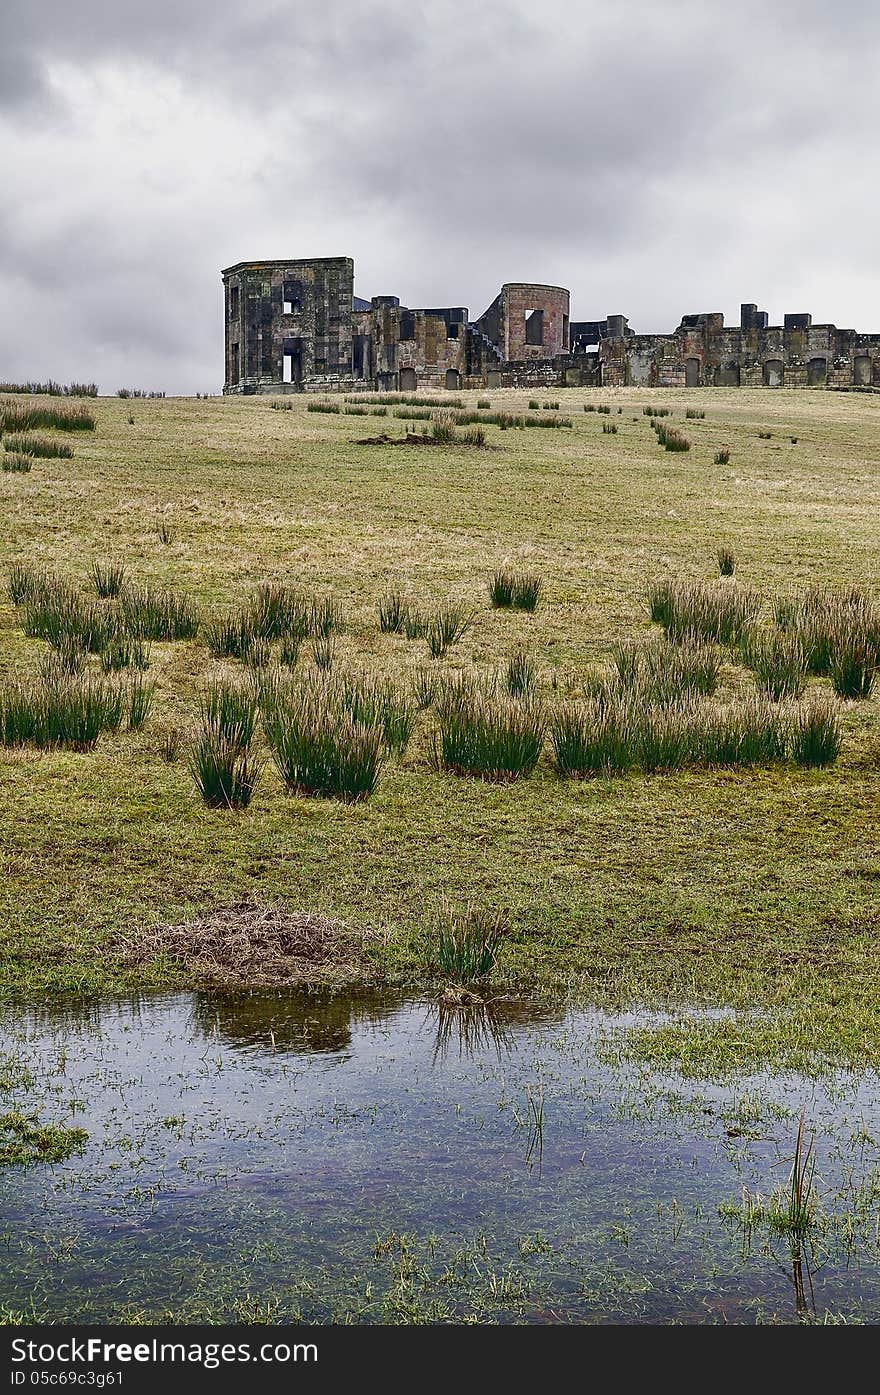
[657, 158]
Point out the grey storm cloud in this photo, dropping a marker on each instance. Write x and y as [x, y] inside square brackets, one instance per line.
[656, 158]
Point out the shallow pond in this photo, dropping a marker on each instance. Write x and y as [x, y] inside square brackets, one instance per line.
[368, 1158]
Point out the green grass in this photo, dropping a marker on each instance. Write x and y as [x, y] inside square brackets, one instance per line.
[723, 884]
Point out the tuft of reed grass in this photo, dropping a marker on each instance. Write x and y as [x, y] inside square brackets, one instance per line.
[814, 736]
[424, 689]
[722, 457]
[159, 614]
[380, 706]
[17, 463]
[852, 662]
[462, 946]
[107, 578]
[519, 675]
[164, 532]
[445, 628]
[224, 773]
[63, 711]
[231, 636]
[474, 436]
[491, 737]
[60, 616]
[170, 745]
[694, 414]
[318, 749]
[289, 653]
[392, 613]
[687, 608]
[519, 590]
[778, 660]
[323, 652]
[751, 731]
[229, 711]
[125, 650]
[726, 561]
[662, 672]
[40, 446]
[140, 701]
[276, 610]
[828, 618]
[18, 416]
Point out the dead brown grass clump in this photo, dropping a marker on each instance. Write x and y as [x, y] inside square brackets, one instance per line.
[248, 944]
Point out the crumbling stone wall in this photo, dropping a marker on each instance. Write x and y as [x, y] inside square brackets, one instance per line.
[296, 326]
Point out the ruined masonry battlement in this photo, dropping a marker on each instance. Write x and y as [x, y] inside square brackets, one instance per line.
[296, 326]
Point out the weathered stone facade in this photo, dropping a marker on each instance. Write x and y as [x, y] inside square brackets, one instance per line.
[296, 325]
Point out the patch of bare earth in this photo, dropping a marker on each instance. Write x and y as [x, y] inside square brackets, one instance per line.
[248, 944]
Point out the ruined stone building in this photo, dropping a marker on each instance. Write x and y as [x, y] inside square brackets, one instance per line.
[297, 325]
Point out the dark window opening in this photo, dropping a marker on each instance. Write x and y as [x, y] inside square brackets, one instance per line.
[233, 302]
[565, 335]
[452, 331]
[233, 364]
[292, 298]
[535, 327]
[407, 325]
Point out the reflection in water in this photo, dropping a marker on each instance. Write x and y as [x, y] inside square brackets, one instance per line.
[483, 1025]
[317, 1020]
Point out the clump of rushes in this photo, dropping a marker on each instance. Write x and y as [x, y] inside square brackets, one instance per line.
[170, 745]
[259, 655]
[519, 676]
[16, 416]
[519, 590]
[851, 666]
[59, 616]
[125, 650]
[159, 614]
[443, 432]
[319, 750]
[17, 463]
[671, 439]
[424, 689]
[140, 700]
[726, 561]
[483, 404]
[414, 623]
[41, 446]
[593, 737]
[324, 616]
[229, 712]
[107, 578]
[752, 731]
[231, 636]
[323, 652]
[381, 706]
[722, 457]
[662, 673]
[609, 428]
[491, 737]
[445, 628]
[290, 648]
[225, 774]
[276, 610]
[827, 618]
[693, 414]
[25, 583]
[814, 738]
[474, 436]
[392, 613]
[778, 660]
[69, 711]
[463, 945]
[687, 608]
[164, 532]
